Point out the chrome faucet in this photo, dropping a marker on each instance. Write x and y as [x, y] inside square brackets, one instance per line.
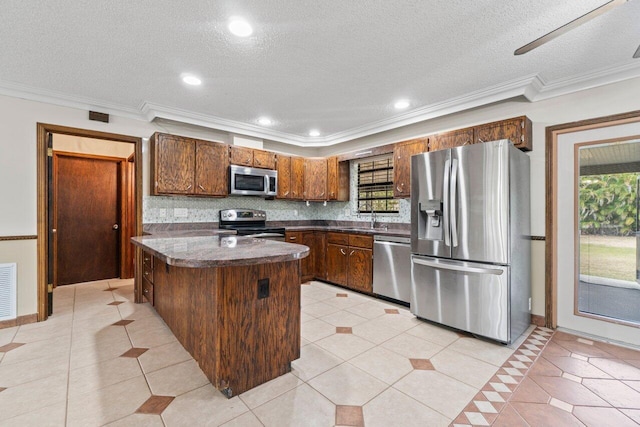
[373, 219]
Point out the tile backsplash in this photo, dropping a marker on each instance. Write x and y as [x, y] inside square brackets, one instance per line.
[175, 209]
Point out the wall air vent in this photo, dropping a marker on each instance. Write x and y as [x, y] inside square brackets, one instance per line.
[98, 117]
[8, 285]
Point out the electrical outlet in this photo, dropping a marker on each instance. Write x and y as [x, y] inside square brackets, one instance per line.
[295, 212]
[162, 213]
[529, 304]
[347, 211]
[180, 212]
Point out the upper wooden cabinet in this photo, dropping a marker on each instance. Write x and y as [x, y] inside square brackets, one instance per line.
[337, 179]
[242, 156]
[455, 138]
[402, 153]
[517, 129]
[297, 178]
[245, 156]
[315, 179]
[264, 159]
[188, 166]
[283, 166]
[212, 164]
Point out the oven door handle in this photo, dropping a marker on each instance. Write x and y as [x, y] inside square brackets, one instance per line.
[263, 235]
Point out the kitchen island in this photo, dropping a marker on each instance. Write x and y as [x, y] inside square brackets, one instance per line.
[232, 302]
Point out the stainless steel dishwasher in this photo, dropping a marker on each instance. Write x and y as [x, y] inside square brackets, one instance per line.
[392, 267]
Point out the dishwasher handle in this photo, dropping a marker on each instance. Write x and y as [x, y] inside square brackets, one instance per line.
[457, 267]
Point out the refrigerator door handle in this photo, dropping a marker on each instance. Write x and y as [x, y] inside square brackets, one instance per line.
[453, 220]
[445, 208]
[444, 266]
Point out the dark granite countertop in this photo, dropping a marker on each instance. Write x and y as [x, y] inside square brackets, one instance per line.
[218, 250]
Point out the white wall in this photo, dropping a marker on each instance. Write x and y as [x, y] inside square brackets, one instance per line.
[18, 156]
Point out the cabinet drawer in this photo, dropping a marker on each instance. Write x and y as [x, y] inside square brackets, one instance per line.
[147, 290]
[338, 238]
[147, 267]
[361, 241]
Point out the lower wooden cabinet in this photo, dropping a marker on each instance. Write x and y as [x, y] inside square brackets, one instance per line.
[350, 260]
[308, 264]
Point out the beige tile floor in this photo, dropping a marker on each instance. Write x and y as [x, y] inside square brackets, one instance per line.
[362, 359]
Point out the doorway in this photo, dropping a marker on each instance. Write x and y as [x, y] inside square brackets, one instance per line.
[129, 174]
[562, 225]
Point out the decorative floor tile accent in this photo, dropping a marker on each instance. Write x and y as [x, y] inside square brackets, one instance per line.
[349, 416]
[134, 352]
[116, 303]
[342, 295]
[529, 388]
[2, 389]
[155, 405]
[122, 322]
[486, 406]
[11, 346]
[109, 289]
[391, 311]
[422, 364]
[343, 330]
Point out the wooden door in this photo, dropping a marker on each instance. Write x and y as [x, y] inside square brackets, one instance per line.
[87, 218]
[315, 179]
[451, 139]
[173, 164]
[284, 177]
[297, 178]
[337, 263]
[402, 153]
[211, 169]
[360, 269]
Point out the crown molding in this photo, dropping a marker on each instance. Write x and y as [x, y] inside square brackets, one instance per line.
[533, 87]
[17, 90]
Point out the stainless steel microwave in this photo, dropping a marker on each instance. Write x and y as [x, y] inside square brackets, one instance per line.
[246, 181]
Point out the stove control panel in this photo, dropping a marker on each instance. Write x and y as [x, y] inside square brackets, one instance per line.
[232, 215]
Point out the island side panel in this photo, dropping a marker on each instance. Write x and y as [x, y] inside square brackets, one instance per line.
[186, 299]
[260, 336]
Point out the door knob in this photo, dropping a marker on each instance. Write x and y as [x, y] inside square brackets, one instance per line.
[115, 226]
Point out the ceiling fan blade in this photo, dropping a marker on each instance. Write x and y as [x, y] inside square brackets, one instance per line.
[637, 54]
[569, 26]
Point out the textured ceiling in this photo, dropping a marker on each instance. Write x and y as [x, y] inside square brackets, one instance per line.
[336, 66]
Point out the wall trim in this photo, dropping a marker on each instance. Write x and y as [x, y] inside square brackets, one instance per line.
[19, 321]
[9, 238]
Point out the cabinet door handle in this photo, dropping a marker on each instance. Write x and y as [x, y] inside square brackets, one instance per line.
[322, 194]
[286, 194]
[189, 187]
[352, 252]
[400, 190]
[342, 251]
[201, 187]
[292, 238]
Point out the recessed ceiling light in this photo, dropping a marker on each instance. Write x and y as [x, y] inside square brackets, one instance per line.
[265, 121]
[401, 104]
[191, 80]
[314, 132]
[240, 27]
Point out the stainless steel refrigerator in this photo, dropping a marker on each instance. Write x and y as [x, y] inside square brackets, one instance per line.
[470, 239]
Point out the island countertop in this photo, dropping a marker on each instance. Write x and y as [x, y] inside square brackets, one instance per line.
[218, 250]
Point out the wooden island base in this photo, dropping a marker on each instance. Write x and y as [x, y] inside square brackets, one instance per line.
[241, 323]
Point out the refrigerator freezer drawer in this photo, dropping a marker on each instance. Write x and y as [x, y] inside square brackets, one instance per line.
[464, 295]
